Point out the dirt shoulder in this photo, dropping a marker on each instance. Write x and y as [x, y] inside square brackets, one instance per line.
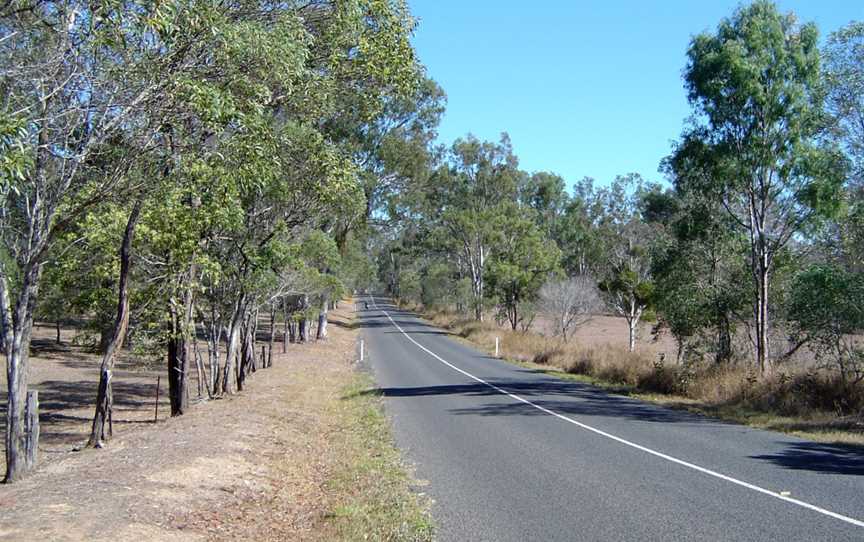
[267, 464]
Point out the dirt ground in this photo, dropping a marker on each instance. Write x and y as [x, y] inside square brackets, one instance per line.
[604, 330]
[254, 465]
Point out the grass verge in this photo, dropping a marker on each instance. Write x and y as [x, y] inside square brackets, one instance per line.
[376, 497]
[817, 427]
[808, 405]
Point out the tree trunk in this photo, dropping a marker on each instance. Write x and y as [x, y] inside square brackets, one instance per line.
[232, 337]
[251, 335]
[31, 447]
[272, 333]
[724, 340]
[632, 323]
[760, 253]
[178, 351]
[17, 329]
[285, 325]
[176, 369]
[478, 299]
[214, 339]
[248, 361]
[304, 322]
[57, 329]
[303, 331]
[104, 395]
[199, 366]
[762, 324]
[322, 321]
[480, 284]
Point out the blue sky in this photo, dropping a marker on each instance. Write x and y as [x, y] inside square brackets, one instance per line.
[584, 88]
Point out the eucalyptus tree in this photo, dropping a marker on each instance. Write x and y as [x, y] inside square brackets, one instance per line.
[274, 204]
[320, 254]
[843, 58]
[546, 195]
[80, 81]
[466, 199]
[392, 149]
[700, 272]
[756, 83]
[524, 259]
[628, 285]
[827, 311]
[577, 234]
[89, 89]
[626, 240]
[843, 71]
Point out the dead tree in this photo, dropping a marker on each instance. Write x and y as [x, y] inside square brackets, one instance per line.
[102, 419]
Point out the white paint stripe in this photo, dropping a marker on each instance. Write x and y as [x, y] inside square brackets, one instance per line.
[639, 447]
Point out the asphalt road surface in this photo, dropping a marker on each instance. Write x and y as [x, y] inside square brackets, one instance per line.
[510, 454]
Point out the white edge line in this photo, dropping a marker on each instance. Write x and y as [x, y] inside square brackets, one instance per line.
[655, 453]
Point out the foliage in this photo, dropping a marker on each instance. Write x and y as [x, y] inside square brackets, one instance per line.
[756, 85]
[525, 259]
[827, 308]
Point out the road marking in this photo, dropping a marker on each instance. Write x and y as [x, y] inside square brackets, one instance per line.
[620, 440]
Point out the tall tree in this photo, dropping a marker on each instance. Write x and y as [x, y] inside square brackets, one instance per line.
[844, 81]
[625, 276]
[756, 83]
[524, 260]
[468, 199]
[77, 80]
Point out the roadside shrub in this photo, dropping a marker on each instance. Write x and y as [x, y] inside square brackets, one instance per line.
[580, 365]
[619, 373]
[547, 356]
[660, 379]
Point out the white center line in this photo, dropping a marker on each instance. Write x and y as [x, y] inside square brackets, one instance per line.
[703, 470]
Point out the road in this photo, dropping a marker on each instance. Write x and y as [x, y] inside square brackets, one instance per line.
[511, 454]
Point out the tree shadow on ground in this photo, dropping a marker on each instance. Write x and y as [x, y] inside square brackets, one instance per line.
[563, 397]
[581, 400]
[819, 457]
[430, 332]
[69, 402]
[343, 324]
[381, 321]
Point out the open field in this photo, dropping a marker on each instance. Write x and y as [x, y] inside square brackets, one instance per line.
[295, 456]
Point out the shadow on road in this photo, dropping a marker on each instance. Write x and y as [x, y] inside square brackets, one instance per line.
[819, 457]
[563, 397]
[581, 400]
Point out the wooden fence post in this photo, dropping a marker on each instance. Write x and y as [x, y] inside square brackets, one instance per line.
[156, 415]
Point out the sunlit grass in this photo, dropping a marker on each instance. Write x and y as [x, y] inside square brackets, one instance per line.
[378, 498]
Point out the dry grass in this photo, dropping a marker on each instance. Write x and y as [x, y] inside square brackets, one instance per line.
[375, 498]
[810, 403]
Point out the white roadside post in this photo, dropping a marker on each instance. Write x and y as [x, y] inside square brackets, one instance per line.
[361, 349]
[496, 347]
